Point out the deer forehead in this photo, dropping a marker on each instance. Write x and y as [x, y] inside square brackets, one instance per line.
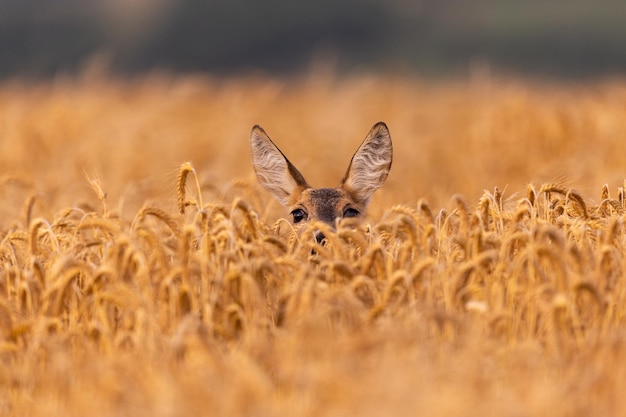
[326, 204]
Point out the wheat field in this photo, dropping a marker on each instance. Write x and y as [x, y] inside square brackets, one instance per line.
[143, 272]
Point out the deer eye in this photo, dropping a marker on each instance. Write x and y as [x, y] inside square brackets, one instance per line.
[298, 215]
[350, 212]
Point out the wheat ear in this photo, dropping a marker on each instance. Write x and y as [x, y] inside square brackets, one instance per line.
[183, 172]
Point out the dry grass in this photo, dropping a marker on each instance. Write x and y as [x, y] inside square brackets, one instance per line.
[133, 283]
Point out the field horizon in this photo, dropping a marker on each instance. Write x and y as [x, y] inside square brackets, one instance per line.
[487, 278]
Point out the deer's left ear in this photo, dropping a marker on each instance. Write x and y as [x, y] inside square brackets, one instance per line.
[370, 164]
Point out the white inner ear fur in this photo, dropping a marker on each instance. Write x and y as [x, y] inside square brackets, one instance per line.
[271, 166]
[370, 164]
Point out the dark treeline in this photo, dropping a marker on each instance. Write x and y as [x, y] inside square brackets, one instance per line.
[569, 38]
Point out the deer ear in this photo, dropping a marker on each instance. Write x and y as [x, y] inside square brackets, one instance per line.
[273, 170]
[370, 164]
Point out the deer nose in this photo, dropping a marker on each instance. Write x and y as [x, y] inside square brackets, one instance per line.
[319, 237]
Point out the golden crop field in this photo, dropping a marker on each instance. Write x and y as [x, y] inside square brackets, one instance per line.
[143, 271]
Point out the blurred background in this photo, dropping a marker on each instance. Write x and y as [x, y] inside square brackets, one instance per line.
[553, 38]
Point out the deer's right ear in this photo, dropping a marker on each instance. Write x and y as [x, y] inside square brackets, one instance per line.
[273, 170]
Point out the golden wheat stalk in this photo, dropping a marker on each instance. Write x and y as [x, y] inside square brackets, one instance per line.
[34, 234]
[181, 182]
[185, 169]
[575, 196]
[160, 214]
[97, 186]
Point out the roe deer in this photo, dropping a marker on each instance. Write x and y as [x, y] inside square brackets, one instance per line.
[367, 171]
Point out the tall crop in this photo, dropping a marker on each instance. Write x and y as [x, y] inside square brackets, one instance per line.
[128, 286]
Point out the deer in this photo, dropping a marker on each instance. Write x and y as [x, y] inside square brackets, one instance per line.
[366, 173]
